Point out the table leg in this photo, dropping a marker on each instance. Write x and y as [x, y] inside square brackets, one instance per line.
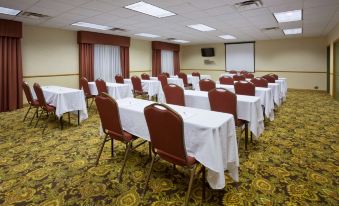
[61, 123]
[78, 117]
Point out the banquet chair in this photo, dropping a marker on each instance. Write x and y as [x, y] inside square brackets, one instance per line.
[244, 88]
[206, 85]
[243, 72]
[274, 75]
[196, 74]
[226, 80]
[260, 82]
[249, 76]
[222, 100]
[137, 88]
[166, 131]
[269, 78]
[33, 103]
[101, 86]
[87, 91]
[239, 77]
[119, 79]
[163, 80]
[174, 94]
[166, 74]
[183, 76]
[145, 76]
[233, 72]
[111, 126]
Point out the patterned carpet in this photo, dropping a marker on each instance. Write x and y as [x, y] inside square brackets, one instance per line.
[295, 162]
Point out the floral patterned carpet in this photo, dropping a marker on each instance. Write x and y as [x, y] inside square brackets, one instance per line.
[295, 162]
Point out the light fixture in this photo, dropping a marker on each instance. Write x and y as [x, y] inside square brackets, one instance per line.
[147, 35]
[92, 26]
[201, 27]
[227, 36]
[149, 9]
[288, 16]
[8, 11]
[180, 41]
[293, 31]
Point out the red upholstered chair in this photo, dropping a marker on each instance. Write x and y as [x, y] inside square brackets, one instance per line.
[243, 72]
[163, 79]
[137, 87]
[111, 126]
[249, 76]
[222, 100]
[269, 78]
[196, 74]
[101, 86]
[226, 80]
[244, 88]
[119, 79]
[206, 85]
[166, 130]
[260, 82]
[233, 72]
[145, 76]
[239, 77]
[87, 91]
[174, 94]
[33, 103]
[183, 76]
[166, 74]
[43, 105]
[274, 75]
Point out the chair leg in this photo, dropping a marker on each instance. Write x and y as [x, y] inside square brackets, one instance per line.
[91, 104]
[128, 149]
[190, 185]
[38, 118]
[35, 114]
[69, 118]
[149, 174]
[246, 135]
[251, 137]
[112, 147]
[29, 109]
[46, 123]
[203, 183]
[100, 151]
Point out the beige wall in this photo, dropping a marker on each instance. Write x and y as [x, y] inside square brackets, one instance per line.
[140, 57]
[292, 58]
[332, 37]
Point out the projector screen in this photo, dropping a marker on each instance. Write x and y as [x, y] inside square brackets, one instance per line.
[240, 56]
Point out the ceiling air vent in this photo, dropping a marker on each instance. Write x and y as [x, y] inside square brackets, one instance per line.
[170, 39]
[247, 5]
[270, 29]
[118, 29]
[33, 15]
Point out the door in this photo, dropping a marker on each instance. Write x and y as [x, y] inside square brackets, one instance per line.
[336, 71]
[328, 69]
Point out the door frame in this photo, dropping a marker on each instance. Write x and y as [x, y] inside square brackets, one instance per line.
[328, 69]
[334, 68]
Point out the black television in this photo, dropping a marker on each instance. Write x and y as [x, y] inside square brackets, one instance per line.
[207, 52]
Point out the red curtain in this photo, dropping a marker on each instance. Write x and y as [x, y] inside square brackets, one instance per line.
[156, 62]
[86, 61]
[10, 73]
[176, 62]
[124, 59]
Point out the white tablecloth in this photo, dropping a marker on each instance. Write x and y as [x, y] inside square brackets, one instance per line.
[194, 80]
[205, 76]
[117, 91]
[283, 87]
[210, 137]
[152, 87]
[65, 100]
[227, 75]
[265, 95]
[172, 80]
[248, 108]
[276, 92]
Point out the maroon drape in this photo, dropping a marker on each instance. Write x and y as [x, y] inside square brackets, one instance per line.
[156, 62]
[10, 73]
[124, 59]
[176, 62]
[86, 61]
[157, 46]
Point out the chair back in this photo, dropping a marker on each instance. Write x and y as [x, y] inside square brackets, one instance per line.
[233, 72]
[260, 82]
[274, 75]
[40, 95]
[244, 88]
[249, 76]
[243, 72]
[119, 79]
[183, 76]
[239, 77]
[206, 85]
[166, 130]
[269, 78]
[101, 86]
[226, 80]
[28, 92]
[166, 74]
[85, 87]
[145, 76]
[136, 82]
[196, 74]
[163, 79]
[222, 100]
[174, 94]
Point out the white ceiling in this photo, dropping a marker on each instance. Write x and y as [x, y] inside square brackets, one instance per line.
[319, 17]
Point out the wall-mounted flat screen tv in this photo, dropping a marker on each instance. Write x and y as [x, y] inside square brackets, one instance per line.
[207, 52]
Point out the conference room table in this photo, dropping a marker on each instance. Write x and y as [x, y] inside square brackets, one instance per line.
[152, 87]
[194, 80]
[283, 87]
[210, 137]
[227, 75]
[276, 92]
[117, 91]
[172, 80]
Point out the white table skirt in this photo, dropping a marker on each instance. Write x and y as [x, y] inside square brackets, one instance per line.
[227, 75]
[172, 80]
[65, 100]
[191, 80]
[276, 92]
[248, 108]
[117, 91]
[152, 87]
[210, 137]
[265, 95]
[283, 87]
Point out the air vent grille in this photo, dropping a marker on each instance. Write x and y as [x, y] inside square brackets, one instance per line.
[270, 29]
[247, 5]
[33, 15]
[118, 29]
[170, 39]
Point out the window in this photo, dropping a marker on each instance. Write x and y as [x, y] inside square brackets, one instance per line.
[106, 62]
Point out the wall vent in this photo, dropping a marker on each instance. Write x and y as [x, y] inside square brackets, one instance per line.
[270, 29]
[247, 5]
[170, 39]
[33, 15]
[118, 29]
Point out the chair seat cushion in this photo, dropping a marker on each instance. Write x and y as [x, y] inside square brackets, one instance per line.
[89, 96]
[240, 122]
[50, 108]
[176, 160]
[35, 103]
[127, 137]
[140, 92]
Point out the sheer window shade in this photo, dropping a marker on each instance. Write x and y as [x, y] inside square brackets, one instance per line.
[167, 62]
[107, 62]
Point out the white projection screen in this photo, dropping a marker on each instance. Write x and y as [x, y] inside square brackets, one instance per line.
[240, 56]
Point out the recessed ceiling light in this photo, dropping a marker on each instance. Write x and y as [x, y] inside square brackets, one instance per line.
[293, 31]
[149, 9]
[227, 36]
[288, 16]
[201, 27]
[147, 35]
[8, 11]
[93, 26]
[180, 41]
